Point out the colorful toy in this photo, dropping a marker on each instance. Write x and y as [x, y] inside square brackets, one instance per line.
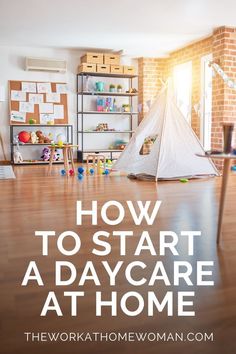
[80, 176]
[42, 139]
[46, 155]
[24, 137]
[183, 180]
[63, 172]
[71, 172]
[33, 138]
[106, 172]
[91, 171]
[81, 170]
[32, 121]
[233, 168]
[17, 157]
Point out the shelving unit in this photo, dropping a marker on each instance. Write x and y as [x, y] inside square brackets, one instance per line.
[69, 137]
[81, 113]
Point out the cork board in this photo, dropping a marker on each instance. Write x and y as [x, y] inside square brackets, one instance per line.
[14, 105]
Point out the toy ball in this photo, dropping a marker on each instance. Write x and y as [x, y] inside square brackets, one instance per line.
[80, 176]
[81, 170]
[91, 171]
[24, 137]
[106, 172]
[183, 180]
[233, 168]
[63, 172]
[71, 172]
[61, 138]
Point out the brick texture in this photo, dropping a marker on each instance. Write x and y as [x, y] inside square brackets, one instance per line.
[222, 45]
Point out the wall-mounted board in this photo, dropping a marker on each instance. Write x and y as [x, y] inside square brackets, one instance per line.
[44, 102]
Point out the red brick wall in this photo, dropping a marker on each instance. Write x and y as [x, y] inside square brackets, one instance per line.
[222, 45]
[151, 71]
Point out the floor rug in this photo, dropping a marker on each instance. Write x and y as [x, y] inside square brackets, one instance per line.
[6, 172]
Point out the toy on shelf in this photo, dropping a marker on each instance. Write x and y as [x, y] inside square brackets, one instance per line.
[32, 121]
[100, 104]
[99, 86]
[118, 145]
[126, 108]
[42, 139]
[24, 137]
[103, 127]
[132, 90]
[33, 138]
[17, 157]
[46, 155]
[61, 140]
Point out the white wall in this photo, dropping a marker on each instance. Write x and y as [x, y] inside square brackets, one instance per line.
[12, 67]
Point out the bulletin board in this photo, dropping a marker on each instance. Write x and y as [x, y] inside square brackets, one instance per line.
[44, 102]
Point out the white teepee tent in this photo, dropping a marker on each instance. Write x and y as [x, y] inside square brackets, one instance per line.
[173, 154]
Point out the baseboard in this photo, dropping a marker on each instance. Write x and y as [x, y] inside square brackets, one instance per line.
[4, 162]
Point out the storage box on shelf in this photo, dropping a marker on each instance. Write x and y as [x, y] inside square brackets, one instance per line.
[92, 58]
[129, 70]
[88, 68]
[83, 134]
[102, 68]
[113, 59]
[116, 69]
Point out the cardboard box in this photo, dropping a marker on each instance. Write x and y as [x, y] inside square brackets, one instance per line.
[116, 69]
[113, 59]
[102, 68]
[87, 68]
[92, 58]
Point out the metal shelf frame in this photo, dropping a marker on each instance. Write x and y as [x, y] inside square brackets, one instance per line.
[81, 114]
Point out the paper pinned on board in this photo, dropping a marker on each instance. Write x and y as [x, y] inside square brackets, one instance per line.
[45, 108]
[58, 111]
[53, 97]
[18, 95]
[44, 87]
[35, 98]
[27, 107]
[29, 87]
[45, 118]
[19, 117]
[61, 88]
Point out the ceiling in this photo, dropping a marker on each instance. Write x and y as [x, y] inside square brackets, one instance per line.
[141, 28]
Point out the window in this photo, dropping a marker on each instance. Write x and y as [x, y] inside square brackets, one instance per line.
[182, 76]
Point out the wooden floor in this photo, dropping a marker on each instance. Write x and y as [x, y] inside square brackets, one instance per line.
[36, 202]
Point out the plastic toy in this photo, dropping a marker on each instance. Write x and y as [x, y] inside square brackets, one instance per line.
[71, 172]
[80, 176]
[183, 180]
[106, 172]
[63, 172]
[24, 137]
[91, 171]
[81, 170]
[17, 157]
[32, 121]
[33, 138]
[233, 168]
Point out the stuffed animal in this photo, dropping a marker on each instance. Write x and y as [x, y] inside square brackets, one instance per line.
[42, 139]
[17, 157]
[46, 155]
[33, 138]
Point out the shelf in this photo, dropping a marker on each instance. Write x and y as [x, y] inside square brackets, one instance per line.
[97, 151]
[121, 76]
[117, 113]
[105, 131]
[41, 125]
[39, 162]
[31, 144]
[107, 93]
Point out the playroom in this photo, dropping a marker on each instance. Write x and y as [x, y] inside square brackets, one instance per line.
[117, 132]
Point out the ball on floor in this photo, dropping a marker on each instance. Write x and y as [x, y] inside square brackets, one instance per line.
[80, 176]
[63, 172]
[81, 170]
